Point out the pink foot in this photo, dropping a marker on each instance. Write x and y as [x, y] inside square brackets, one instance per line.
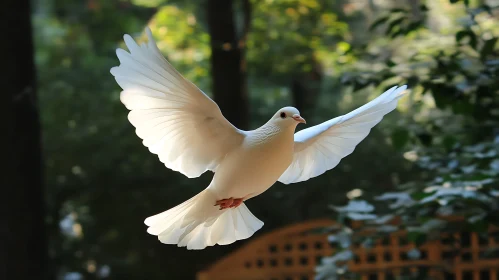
[224, 203]
[237, 202]
[229, 203]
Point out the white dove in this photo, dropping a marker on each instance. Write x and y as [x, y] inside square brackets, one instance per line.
[188, 132]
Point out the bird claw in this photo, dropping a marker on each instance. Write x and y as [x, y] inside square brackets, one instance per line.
[229, 203]
[236, 203]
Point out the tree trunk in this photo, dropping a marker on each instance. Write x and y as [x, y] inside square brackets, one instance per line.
[305, 88]
[22, 231]
[228, 67]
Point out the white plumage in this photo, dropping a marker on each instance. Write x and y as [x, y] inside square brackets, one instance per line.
[187, 131]
[167, 109]
[321, 147]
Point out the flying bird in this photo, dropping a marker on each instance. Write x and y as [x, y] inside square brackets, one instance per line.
[187, 131]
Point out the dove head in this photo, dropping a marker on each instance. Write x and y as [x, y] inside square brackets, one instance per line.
[288, 116]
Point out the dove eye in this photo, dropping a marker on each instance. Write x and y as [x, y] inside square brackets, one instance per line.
[283, 115]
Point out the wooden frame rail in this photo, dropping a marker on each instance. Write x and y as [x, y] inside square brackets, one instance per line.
[293, 252]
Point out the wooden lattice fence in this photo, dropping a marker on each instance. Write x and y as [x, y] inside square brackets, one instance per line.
[292, 253]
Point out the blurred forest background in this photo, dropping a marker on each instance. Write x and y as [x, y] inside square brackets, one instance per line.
[77, 202]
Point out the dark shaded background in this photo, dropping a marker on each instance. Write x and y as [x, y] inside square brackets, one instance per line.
[83, 219]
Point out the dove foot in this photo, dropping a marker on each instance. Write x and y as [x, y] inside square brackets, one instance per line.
[237, 202]
[229, 203]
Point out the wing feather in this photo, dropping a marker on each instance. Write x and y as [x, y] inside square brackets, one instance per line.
[321, 147]
[175, 119]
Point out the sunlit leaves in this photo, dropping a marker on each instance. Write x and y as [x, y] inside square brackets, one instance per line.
[184, 41]
[466, 2]
[148, 3]
[379, 22]
[398, 22]
[287, 35]
[450, 130]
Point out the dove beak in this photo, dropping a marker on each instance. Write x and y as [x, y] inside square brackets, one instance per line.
[299, 119]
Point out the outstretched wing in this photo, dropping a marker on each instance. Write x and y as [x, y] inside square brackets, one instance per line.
[321, 147]
[175, 119]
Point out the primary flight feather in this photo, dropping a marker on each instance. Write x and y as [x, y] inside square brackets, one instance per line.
[188, 132]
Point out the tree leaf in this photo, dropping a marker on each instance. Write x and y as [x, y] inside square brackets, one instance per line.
[421, 195]
[443, 95]
[449, 141]
[343, 256]
[379, 22]
[342, 238]
[355, 206]
[462, 107]
[394, 23]
[413, 26]
[487, 8]
[387, 228]
[398, 10]
[488, 48]
[383, 219]
[390, 63]
[397, 33]
[467, 33]
[358, 85]
[361, 216]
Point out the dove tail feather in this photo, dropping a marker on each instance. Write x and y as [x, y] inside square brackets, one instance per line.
[197, 223]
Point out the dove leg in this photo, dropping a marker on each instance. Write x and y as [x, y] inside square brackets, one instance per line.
[237, 202]
[229, 202]
[225, 203]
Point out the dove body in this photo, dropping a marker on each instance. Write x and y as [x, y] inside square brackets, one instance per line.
[255, 166]
[188, 132]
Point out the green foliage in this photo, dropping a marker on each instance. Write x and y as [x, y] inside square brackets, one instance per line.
[101, 182]
[450, 133]
[287, 36]
[148, 3]
[185, 42]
